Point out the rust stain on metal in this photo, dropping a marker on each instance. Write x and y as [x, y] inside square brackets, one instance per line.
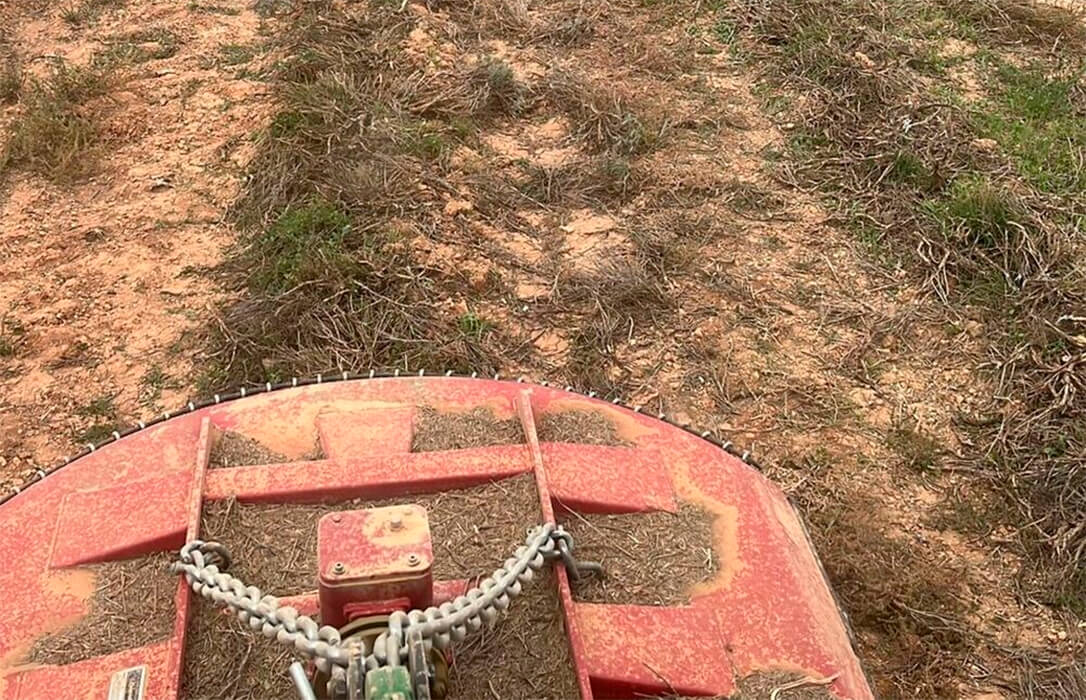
[629, 426]
[725, 530]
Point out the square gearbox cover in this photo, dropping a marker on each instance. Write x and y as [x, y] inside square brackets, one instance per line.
[374, 555]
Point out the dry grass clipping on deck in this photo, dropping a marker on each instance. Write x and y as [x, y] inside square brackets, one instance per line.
[586, 427]
[132, 606]
[457, 431]
[649, 558]
[236, 450]
[473, 531]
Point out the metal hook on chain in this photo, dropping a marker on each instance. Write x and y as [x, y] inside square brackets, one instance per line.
[577, 569]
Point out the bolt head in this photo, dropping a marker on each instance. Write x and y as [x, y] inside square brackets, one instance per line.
[396, 523]
[338, 568]
[413, 560]
[337, 518]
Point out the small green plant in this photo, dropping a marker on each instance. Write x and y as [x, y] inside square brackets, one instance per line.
[154, 381]
[988, 215]
[725, 31]
[285, 123]
[499, 90]
[427, 143]
[55, 129]
[99, 407]
[87, 12]
[908, 169]
[96, 433]
[305, 242]
[473, 325]
[236, 54]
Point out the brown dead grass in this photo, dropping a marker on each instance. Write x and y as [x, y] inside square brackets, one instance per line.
[236, 450]
[56, 126]
[457, 431]
[650, 558]
[585, 427]
[132, 606]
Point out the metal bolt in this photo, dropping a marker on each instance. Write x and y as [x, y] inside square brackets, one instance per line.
[396, 523]
[337, 518]
[338, 568]
[413, 560]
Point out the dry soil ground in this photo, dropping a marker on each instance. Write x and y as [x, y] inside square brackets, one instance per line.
[101, 281]
[596, 193]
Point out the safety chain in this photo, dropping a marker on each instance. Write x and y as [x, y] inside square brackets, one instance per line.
[204, 566]
[39, 474]
[454, 620]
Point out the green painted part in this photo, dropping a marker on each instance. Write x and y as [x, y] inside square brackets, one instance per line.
[389, 684]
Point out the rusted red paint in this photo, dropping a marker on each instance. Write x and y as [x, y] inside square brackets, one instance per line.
[768, 608]
[124, 520]
[373, 555]
[605, 479]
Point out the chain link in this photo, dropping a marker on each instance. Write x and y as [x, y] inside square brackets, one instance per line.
[204, 566]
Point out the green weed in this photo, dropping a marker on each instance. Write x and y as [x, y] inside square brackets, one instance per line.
[302, 244]
[88, 11]
[55, 131]
[473, 325]
[1038, 119]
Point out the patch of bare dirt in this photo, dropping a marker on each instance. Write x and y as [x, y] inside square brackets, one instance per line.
[103, 293]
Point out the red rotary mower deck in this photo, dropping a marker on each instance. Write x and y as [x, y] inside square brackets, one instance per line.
[767, 609]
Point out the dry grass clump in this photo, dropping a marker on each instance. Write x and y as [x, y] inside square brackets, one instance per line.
[11, 76]
[993, 231]
[359, 148]
[601, 115]
[617, 299]
[56, 127]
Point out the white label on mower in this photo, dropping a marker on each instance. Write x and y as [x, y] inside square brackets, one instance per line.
[128, 684]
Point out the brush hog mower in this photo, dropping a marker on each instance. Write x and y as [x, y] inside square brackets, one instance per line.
[408, 538]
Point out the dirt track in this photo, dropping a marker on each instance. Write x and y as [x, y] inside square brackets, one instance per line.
[102, 279]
